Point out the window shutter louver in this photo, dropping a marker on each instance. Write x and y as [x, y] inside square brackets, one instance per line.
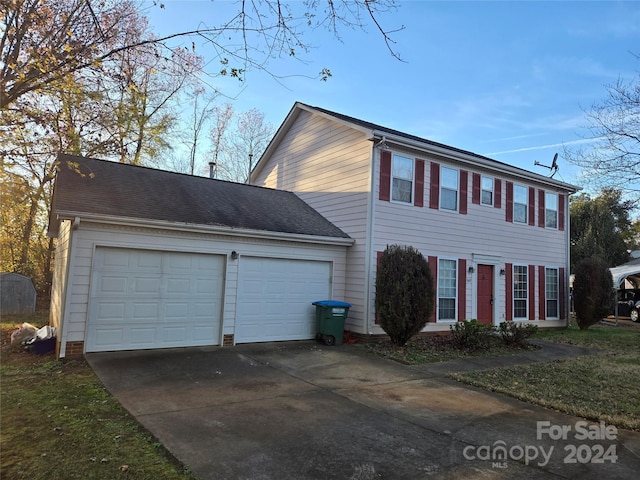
[433, 267]
[464, 188]
[532, 292]
[497, 201]
[434, 186]
[532, 206]
[419, 184]
[475, 193]
[509, 202]
[542, 299]
[509, 291]
[462, 289]
[562, 293]
[385, 175]
[541, 207]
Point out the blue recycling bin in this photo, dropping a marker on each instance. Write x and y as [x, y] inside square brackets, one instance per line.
[330, 317]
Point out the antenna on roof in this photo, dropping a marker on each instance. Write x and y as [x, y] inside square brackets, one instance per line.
[554, 165]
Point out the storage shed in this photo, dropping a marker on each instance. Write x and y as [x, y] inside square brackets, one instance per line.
[17, 294]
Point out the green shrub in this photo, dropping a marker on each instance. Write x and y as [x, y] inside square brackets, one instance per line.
[592, 291]
[404, 293]
[515, 334]
[471, 335]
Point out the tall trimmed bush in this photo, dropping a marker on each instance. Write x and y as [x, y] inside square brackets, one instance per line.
[404, 293]
[592, 291]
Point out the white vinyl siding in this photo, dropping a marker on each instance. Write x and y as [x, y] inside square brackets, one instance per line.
[551, 292]
[447, 291]
[520, 292]
[402, 179]
[520, 202]
[329, 167]
[448, 189]
[551, 210]
[486, 191]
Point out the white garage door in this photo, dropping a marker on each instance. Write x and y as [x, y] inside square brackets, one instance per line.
[149, 299]
[275, 296]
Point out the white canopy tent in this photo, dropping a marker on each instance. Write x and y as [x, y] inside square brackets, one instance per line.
[629, 271]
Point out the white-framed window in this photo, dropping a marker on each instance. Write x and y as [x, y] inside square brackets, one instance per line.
[551, 293]
[447, 289]
[520, 291]
[551, 210]
[402, 183]
[486, 191]
[448, 189]
[520, 202]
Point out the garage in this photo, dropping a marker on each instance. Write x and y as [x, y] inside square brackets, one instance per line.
[275, 297]
[143, 299]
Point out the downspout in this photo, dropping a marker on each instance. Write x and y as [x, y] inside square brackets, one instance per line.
[70, 262]
[371, 211]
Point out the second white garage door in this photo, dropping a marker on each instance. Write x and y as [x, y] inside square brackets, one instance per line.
[151, 299]
[275, 298]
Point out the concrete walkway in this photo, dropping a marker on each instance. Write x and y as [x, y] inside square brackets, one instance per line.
[304, 411]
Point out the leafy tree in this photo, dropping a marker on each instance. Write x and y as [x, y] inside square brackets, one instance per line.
[599, 226]
[47, 41]
[592, 291]
[613, 159]
[404, 293]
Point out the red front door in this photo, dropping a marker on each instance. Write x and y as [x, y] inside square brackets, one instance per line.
[485, 294]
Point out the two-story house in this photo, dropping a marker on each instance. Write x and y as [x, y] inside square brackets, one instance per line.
[496, 236]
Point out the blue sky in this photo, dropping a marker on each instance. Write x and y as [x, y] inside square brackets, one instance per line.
[504, 79]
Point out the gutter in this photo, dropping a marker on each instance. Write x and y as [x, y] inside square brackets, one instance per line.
[208, 229]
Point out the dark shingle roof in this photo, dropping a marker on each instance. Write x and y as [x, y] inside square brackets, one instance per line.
[92, 186]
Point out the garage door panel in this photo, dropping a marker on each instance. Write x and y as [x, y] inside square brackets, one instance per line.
[275, 297]
[148, 299]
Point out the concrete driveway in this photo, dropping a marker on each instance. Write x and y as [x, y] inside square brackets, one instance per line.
[304, 411]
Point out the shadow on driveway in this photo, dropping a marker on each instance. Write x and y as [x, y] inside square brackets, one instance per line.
[303, 411]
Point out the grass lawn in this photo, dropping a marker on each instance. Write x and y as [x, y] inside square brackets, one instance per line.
[599, 387]
[59, 422]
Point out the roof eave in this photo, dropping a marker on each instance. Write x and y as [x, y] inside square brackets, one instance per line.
[470, 159]
[199, 228]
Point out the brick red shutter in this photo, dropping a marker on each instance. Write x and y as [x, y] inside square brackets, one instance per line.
[532, 206]
[375, 313]
[419, 184]
[385, 175]
[475, 193]
[433, 266]
[561, 212]
[541, 206]
[497, 201]
[509, 202]
[542, 302]
[464, 191]
[508, 283]
[532, 292]
[462, 289]
[434, 186]
[562, 293]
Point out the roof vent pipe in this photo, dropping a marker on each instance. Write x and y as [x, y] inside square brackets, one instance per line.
[212, 169]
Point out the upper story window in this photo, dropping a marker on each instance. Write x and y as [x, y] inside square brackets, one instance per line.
[520, 291]
[447, 281]
[402, 174]
[448, 189]
[520, 201]
[486, 192]
[551, 210]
